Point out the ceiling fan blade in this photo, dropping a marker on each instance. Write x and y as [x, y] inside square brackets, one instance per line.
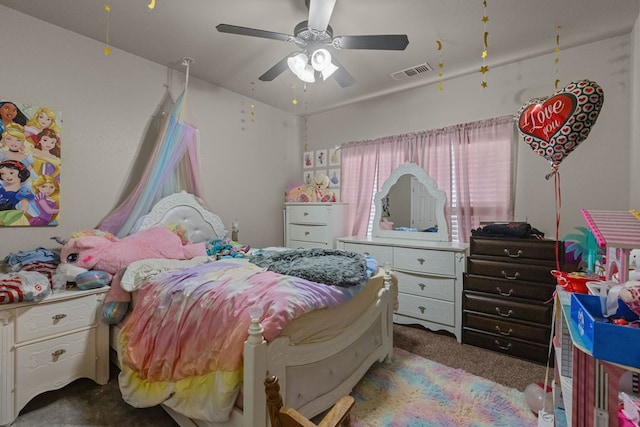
[253, 32]
[341, 75]
[275, 71]
[379, 42]
[320, 13]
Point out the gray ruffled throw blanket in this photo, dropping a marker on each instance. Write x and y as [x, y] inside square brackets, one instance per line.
[329, 266]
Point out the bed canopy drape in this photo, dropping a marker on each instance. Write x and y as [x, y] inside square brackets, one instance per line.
[172, 167]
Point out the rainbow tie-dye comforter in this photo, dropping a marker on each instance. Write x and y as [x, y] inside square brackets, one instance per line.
[182, 343]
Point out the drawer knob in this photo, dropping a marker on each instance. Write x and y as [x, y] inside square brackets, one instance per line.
[506, 276]
[507, 314]
[421, 261]
[504, 294]
[58, 317]
[305, 213]
[422, 286]
[58, 353]
[501, 347]
[422, 309]
[501, 332]
[516, 255]
[306, 233]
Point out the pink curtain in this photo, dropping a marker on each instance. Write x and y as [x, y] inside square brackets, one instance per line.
[359, 163]
[471, 162]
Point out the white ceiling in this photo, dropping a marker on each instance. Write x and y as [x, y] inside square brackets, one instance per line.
[175, 29]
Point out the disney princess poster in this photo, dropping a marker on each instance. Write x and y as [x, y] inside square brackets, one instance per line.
[30, 164]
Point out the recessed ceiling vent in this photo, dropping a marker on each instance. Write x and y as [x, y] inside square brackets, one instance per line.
[412, 71]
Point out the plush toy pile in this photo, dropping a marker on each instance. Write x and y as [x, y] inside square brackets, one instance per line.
[316, 191]
[101, 251]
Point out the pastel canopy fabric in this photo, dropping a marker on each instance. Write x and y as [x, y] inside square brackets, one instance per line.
[172, 167]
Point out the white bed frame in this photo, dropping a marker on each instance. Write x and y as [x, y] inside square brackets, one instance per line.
[312, 376]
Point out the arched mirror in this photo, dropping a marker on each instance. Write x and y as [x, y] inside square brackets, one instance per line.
[410, 206]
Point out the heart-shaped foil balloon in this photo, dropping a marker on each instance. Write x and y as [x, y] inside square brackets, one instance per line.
[553, 127]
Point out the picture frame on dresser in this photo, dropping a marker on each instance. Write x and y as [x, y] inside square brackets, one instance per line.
[428, 266]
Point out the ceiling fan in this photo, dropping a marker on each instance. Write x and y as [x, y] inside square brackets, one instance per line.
[313, 37]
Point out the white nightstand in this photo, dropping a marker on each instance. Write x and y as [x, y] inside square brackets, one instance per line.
[45, 346]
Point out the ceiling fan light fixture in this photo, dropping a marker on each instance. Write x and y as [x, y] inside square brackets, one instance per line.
[328, 71]
[297, 63]
[321, 61]
[308, 74]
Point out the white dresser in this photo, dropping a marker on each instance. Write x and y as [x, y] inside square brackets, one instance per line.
[313, 225]
[45, 346]
[429, 276]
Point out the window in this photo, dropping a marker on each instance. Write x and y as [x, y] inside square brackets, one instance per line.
[473, 163]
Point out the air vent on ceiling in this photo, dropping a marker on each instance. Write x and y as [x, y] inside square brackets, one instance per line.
[412, 71]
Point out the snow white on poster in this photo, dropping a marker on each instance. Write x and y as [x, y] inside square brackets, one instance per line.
[29, 165]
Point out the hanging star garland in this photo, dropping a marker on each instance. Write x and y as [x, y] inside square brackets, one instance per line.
[107, 49]
[557, 52]
[440, 63]
[485, 51]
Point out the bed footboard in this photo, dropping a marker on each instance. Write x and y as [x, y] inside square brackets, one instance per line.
[314, 376]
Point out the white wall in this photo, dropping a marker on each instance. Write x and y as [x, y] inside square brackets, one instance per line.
[594, 176]
[107, 103]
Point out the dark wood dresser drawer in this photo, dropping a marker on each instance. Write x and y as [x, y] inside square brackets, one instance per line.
[518, 348]
[507, 296]
[510, 270]
[507, 308]
[516, 249]
[509, 288]
[507, 328]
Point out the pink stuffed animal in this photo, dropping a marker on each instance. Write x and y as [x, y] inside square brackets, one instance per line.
[97, 250]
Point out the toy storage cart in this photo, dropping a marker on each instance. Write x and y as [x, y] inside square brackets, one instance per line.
[595, 383]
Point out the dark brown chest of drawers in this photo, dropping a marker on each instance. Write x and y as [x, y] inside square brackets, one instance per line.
[507, 299]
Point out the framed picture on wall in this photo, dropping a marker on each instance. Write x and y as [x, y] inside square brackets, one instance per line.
[30, 165]
[321, 158]
[334, 157]
[307, 160]
[334, 178]
[307, 177]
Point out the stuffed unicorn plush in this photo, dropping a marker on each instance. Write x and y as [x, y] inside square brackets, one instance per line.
[102, 251]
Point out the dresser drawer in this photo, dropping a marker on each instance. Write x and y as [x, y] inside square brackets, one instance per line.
[508, 308]
[308, 214]
[507, 328]
[41, 320]
[517, 249]
[382, 254]
[426, 286]
[429, 309]
[300, 244]
[511, 346]
[424, 261]
[309, 233]
[508, 288]
[511, 271]
[51, 364]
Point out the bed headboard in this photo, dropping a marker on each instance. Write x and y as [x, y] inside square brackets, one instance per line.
[186, 210]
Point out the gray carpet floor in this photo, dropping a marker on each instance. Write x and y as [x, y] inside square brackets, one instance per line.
[83, 403]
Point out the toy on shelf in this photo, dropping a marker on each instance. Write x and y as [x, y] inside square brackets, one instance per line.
[316, 191]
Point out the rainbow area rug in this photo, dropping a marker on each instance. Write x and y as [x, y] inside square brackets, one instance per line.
[411, 391]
